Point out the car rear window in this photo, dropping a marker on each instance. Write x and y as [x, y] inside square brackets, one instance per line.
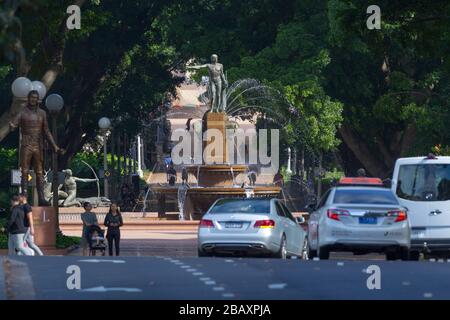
[251, 206]
[366, 196]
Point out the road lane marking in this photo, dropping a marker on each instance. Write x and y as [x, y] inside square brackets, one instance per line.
[210, 283]
[428, 295]
[340, 264]
[218, 288]
[277, 286]
[103, 289]
[99, 261]
[197, 274]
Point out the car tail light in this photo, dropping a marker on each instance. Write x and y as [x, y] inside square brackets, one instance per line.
[264, 224]
[335, 213]
[204, 223]
[399, 214]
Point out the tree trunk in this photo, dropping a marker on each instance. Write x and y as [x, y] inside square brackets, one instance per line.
[374, 166]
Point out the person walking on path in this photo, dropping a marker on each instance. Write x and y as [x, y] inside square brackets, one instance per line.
[89, 219]
[113, 221]
[16, 229]
[28, 224]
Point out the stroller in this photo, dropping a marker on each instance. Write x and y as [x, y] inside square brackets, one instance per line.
[96, 240]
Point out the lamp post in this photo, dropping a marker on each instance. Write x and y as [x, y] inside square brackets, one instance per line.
[54, 104]
[288, 170]
[104, 124]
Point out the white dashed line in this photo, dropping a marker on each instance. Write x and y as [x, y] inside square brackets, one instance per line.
[427, 295]
[205, 279]
[406, 283]
[228, 295]
[340, 264]
[210, 283]
[218, 288]
[277, 286]
[191, 270]
[197, 273]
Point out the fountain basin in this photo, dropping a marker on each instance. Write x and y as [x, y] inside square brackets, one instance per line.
[198, 200]
[216, 175]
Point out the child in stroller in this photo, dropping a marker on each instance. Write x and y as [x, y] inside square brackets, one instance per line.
[96, 240]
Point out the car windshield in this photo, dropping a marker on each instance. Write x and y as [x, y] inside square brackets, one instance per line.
[251, 206]
[424, 182]
[365, 196]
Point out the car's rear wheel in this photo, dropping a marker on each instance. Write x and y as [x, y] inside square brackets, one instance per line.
[312, 253]
[323, 253]
[282, 253]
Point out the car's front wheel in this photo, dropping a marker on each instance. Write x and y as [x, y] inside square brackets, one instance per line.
[282, 253]
[391, 255]
[201, 253]
[323, 253]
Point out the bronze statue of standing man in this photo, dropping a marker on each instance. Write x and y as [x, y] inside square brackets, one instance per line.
[218, 83]
[32, 121]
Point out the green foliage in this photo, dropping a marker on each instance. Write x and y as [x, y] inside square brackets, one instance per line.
[388, 86]
[8, 161]
[64, 242]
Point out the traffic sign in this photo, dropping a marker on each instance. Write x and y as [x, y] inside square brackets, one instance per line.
[16, 177]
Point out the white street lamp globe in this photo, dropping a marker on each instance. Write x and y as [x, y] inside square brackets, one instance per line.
[54, 102]
[104, 123]
[21, 87]
[40, 88]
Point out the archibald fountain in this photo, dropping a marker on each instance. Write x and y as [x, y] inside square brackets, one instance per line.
[216, 174]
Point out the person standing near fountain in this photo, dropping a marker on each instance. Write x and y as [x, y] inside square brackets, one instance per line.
[171, 174]
[113, 221]
[217, 83]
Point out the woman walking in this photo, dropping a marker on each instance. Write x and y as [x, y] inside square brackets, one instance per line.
[113, 221]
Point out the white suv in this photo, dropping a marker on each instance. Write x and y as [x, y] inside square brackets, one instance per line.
[422, 185]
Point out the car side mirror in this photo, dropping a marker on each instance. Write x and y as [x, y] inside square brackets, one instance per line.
[300, 220]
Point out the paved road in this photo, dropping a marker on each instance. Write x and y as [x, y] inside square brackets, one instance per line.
[220, 278]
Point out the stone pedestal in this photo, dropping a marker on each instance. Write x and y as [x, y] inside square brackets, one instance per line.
[44, 219]
[217, 121]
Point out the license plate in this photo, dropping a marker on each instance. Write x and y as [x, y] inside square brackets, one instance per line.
[367, 220]
[233, 225]
[418, 233]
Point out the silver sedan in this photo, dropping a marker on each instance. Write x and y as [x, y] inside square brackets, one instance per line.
[359, 219]
[252, 226]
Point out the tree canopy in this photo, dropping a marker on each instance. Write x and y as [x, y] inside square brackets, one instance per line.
[371, 96]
